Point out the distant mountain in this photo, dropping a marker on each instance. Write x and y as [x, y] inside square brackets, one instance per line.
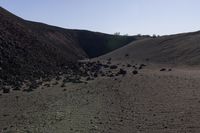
[32, 50]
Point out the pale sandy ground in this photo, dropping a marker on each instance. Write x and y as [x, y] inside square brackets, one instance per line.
[150, 102]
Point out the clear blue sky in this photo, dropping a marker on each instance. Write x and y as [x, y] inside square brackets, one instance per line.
[109, 16]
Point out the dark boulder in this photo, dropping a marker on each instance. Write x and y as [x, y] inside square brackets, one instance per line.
[135, 72]
[163, 69]
[6, 89]
[113, 67]
[128, 65]
[122, 72]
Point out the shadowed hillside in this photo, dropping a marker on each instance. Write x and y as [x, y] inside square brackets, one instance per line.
[93, 43]
[96, 44]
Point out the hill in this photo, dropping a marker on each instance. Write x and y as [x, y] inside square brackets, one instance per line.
[31, 50]
[27, 55]
[180, 49]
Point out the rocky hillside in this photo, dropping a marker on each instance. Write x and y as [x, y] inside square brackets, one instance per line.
[25, 54]
[30, 50]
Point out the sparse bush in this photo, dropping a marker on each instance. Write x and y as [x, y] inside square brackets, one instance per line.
[117, 33]
[154, 36]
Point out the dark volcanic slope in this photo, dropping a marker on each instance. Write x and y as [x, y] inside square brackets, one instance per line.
[57, 42]
[25, 54]
[30, 50]
[181, 49]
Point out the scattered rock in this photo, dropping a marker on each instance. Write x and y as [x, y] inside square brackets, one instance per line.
[134, 67]
[63, 85]
[122, 72]
[128, 65]
[88, 78]
[47, 85]
[126, 55]
[6, 89]
[113, 67]
[141, 66]
[108, 62]
[28, 90]
[135, 72]
[58, 78]
[95, 75]
[34, 85]
[55, 83]
[16, 88]
[103, 75]
[105, 66]
[111, 75]
[163, 69]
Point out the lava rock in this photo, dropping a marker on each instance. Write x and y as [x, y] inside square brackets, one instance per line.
[113, 67]
[6, 89]
[126, 55]
[63, 85]
[122, 72]
[95, 75]
[135, 72]
[141, 66]
[163, 69]
[128, 65]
